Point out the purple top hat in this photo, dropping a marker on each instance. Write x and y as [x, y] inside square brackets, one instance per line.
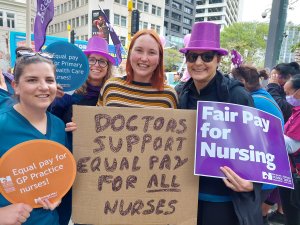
[98, 45]
[205, 36]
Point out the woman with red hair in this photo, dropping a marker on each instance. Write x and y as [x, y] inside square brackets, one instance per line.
[143, 85]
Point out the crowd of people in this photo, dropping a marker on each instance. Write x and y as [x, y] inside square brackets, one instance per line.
[32, 106]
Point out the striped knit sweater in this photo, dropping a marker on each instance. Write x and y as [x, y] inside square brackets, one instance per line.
[118, 92]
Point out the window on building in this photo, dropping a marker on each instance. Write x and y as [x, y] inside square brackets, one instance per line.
[116, 19]
[167, 2]
[32, 25]
[197, 19]
[200, 10]
[77, 21]
[82, 2]
[140, 5]
[215, 1]
[158, 29]
[176, 5]
[166, 24]
[123, 21]
[175, 27]
[10, 19]
[158, 11]
[188, 10]
[152, 26]
[190, 1]
[69, 5]
[201, 2]
[186, 31]
[73, 23]
[65, 7]
[117, 1]
[62, 25]
[77, 3]
[65, 25]
[146, 7]
[145, 25]
[133, 3]
[86, 2]
[124, 2]
[1, 19]
[58, 10]
[215, 9]
[62, 9]
[123, 40]
[176, 16]
[73, 4]
[166, 13]
[82, 21]
[213, 18]
[187, 21]
[153, 11]
[86, 19]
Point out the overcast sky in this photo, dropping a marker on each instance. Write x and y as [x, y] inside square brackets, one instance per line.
[253, 9]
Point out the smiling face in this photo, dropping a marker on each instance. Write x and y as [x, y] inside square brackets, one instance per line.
[97, 73]
[144, 58]
[202, 72]
[36, 87]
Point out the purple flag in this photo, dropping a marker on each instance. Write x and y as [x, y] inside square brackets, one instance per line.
[44, 15]
[115, 39]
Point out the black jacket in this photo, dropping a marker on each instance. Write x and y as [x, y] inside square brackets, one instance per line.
[223, 89]
[278, 94]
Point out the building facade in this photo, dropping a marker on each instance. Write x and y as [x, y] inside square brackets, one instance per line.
[290, 38]
[78, 14]
[223, 12]
[12, 18]
[178, 21]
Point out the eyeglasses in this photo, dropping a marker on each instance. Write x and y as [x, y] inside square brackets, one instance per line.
[102, 63]
[206, 56]
[46, 55]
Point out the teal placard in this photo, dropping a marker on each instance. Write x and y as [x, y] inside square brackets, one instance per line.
[72, 66]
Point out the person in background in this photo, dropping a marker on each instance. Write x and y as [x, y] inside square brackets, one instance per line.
[278, 77]
[143, 86]
[232, 200]
[35, 88]
[100, 69]
[292, 141]
[250, 77]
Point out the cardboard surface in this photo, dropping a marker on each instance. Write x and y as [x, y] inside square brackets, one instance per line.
[134, 166]
[36, 169]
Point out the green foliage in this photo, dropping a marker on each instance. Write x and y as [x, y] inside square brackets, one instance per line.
[249, 39]
[172, 57]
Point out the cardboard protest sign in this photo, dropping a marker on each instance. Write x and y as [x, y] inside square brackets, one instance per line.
[247, 140]
[134, 166]
[72, 66]
[36, 169]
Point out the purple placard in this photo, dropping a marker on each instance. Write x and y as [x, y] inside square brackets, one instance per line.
[247, 140]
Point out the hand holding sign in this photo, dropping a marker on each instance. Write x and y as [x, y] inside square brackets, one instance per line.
[35, 171]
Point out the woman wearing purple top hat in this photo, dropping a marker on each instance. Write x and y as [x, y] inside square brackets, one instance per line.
[233, 200]
[100, 65]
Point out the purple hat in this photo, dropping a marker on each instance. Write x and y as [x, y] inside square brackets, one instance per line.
[205, 36]
[98, 45]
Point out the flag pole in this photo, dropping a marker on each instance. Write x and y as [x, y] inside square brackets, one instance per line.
[28, 23]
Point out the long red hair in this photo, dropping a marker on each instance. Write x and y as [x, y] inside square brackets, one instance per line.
[157, 79]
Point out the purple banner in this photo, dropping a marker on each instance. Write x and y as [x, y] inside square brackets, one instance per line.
[44, 15]
[114, 37]
[247, 140]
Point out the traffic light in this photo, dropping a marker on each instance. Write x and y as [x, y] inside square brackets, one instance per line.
[72, 36]
[135, 20]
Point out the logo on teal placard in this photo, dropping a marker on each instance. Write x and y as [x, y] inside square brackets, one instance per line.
[72, 66]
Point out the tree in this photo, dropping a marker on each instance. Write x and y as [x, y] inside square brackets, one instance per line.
[249, 39]
[172, 58]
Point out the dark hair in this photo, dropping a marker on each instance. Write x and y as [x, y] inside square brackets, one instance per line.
[295, 81]
[287, 69]
[24, 61]
[157, 79]
[23, 48]
[250, 75]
